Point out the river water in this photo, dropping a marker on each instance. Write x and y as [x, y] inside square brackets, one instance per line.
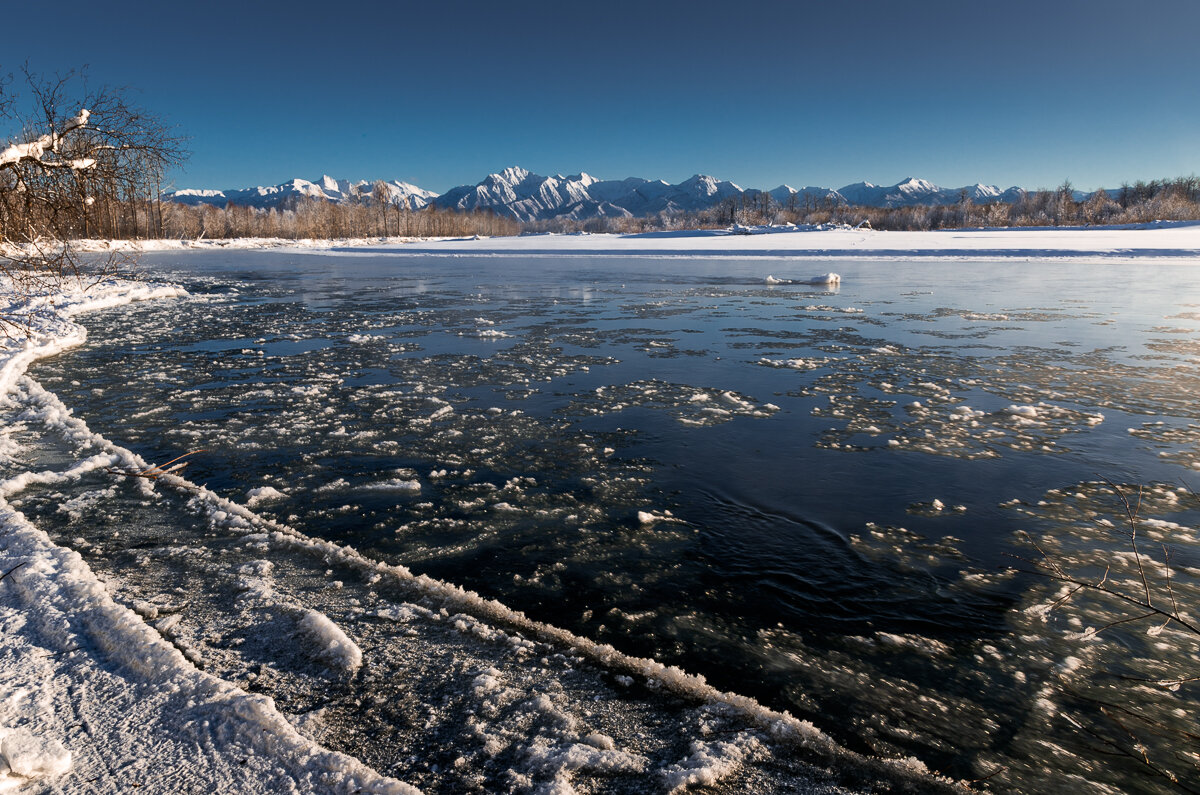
[811, 495]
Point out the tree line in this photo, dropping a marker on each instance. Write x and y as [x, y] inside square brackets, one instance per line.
[80, 163]
[309, 217]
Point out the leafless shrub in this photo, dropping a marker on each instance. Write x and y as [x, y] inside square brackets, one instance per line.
[75, 162]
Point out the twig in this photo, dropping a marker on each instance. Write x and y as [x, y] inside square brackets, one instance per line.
[155, 472]
[14, 568]
[1131, 513]
[1117, 594]
[1118, 750]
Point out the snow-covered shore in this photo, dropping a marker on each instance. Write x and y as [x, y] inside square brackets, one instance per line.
[1172, 241]
[93, 692]
[1158, 242]
[71, 658]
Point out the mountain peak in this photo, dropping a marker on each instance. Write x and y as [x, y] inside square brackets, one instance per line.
[913, 183]
[514, 175]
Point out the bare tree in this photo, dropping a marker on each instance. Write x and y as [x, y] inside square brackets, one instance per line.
[75, 162]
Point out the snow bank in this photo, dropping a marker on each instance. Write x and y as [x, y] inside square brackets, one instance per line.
[1137, 243]
[67, 648]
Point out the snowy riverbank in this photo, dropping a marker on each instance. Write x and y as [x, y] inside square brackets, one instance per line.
[92, 693]
[1163, 241]
[1159, 241]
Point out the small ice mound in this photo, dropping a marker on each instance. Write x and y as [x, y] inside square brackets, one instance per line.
[336, 646]
[935, 508]
[25, 757]
[601, 741]
[826, 278]
[395, 484]
[773, 280]
[263, 494]
[710, 762]
[256, 568]
[487, 682]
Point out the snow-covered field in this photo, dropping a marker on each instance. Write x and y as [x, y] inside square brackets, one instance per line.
[1165, 241]
[103, 694]
[1170, 241]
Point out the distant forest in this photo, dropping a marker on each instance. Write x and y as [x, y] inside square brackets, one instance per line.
[319, 219]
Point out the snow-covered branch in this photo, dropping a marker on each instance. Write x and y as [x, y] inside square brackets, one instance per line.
[39, 149]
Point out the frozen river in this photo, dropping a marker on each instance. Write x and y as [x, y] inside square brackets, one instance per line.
[809, 494]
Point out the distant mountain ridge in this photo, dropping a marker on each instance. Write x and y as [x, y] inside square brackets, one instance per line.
[527, 196]
[327, 188]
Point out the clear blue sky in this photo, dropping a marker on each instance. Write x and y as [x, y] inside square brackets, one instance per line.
[443, 92]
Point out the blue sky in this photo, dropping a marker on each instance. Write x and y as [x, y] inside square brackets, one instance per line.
[443, 92]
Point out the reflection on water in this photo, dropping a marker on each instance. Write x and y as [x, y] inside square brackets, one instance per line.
[806, 495]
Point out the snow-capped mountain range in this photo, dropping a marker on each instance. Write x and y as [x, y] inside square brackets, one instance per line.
[529, 197]
[327, 188]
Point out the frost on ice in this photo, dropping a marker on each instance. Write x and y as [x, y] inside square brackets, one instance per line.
[25, 758]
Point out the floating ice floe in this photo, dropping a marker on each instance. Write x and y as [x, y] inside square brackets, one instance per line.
[263, 494]
[831, 279]
[825, 278]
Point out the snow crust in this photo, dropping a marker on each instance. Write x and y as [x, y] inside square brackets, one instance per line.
[27, 757]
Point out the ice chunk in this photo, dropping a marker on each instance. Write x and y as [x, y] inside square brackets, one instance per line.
[336, 646]
[263, 494]
[826, 278]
